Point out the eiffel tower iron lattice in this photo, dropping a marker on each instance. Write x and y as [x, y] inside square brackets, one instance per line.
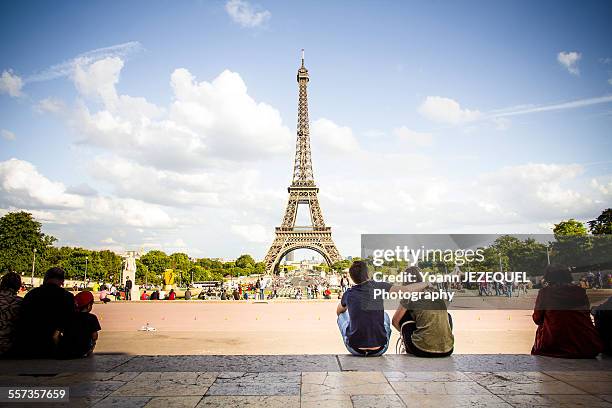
[302, 190]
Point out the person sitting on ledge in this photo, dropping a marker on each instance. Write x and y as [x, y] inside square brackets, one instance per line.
[562, 313]
[425, 325]
[45, 311]
[144, 296]
[10, 308]
[104, 295]
[602, 315]
[81, 332]
[363, 323]
[172, 295]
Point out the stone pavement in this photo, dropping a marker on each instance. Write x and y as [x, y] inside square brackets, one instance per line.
[320, 381]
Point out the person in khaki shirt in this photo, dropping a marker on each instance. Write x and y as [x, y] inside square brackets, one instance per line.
[425, 325]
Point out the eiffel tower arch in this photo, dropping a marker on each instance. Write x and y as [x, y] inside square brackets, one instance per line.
[302, 190]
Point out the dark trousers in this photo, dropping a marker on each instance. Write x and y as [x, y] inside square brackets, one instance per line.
[128, 294]
[410, 327]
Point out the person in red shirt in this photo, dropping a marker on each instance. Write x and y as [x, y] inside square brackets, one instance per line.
[562, 313]
[172, 295]
[144, 296]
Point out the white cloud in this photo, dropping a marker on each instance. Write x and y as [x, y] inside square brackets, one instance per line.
[546, 191]
[243, 13]
[22, 185]
[99, 79]
[252, 232]
[413, 137]
[67, 68]
[569, 60]
[446, 110]
[7, 134]
[11, 84]
[333, 138]
[527, 109]
[207, 122]
[51, 105]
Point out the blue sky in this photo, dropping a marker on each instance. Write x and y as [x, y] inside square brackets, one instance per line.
[426, 117]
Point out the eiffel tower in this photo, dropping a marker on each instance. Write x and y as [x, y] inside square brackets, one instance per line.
[302, 190]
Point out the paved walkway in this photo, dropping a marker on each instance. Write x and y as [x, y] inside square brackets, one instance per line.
[320, 381]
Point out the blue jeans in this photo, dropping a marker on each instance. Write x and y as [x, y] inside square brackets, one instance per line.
[343, 324]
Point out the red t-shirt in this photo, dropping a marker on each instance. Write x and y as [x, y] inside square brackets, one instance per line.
[144, 296]
[172, 296]
[565, 328]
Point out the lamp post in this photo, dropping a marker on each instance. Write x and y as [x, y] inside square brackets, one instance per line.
[33, 263]
[547, 255]
[85, 280]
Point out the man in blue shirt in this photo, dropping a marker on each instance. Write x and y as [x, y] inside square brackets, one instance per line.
[362, 320]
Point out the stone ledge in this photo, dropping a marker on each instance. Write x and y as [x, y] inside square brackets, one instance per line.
[302, 363]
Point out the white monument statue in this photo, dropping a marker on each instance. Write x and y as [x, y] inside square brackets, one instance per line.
[129, 272]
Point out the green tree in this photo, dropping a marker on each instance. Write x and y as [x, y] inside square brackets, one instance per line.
[572, 245]
[181, 264]
[602, 224]
[20, 235]
[339, 266]
[156, 261]
[568, 228]
[245, 261]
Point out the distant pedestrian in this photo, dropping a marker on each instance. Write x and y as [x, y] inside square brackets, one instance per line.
[128, 289]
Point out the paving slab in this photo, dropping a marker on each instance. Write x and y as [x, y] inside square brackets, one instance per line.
[250, 401]
[318, 385]
[454, 401]
[256, 384]
[552, 401]
[122, 402]
[174, 402]
[162, 384]
[377, 401]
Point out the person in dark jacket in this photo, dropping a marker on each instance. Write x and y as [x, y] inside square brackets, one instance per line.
[562, 313]
[45, 312]
[128, 289]
[602, 315]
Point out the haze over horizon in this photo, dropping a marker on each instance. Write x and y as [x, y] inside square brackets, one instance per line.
[142, 126]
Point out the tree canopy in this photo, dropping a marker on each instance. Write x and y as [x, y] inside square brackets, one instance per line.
[602, 224]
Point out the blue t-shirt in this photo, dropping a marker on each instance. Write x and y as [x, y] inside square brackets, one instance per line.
[367, 314]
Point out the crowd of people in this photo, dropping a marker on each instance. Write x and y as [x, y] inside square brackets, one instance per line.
[507, 289]
[562, 313]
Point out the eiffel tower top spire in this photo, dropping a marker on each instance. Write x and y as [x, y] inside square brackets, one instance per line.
[302, 168]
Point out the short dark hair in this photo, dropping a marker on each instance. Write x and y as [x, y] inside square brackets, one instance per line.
[359, 272]
[10, 281]
[54, 273]
[556, 273]
[414, 271]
